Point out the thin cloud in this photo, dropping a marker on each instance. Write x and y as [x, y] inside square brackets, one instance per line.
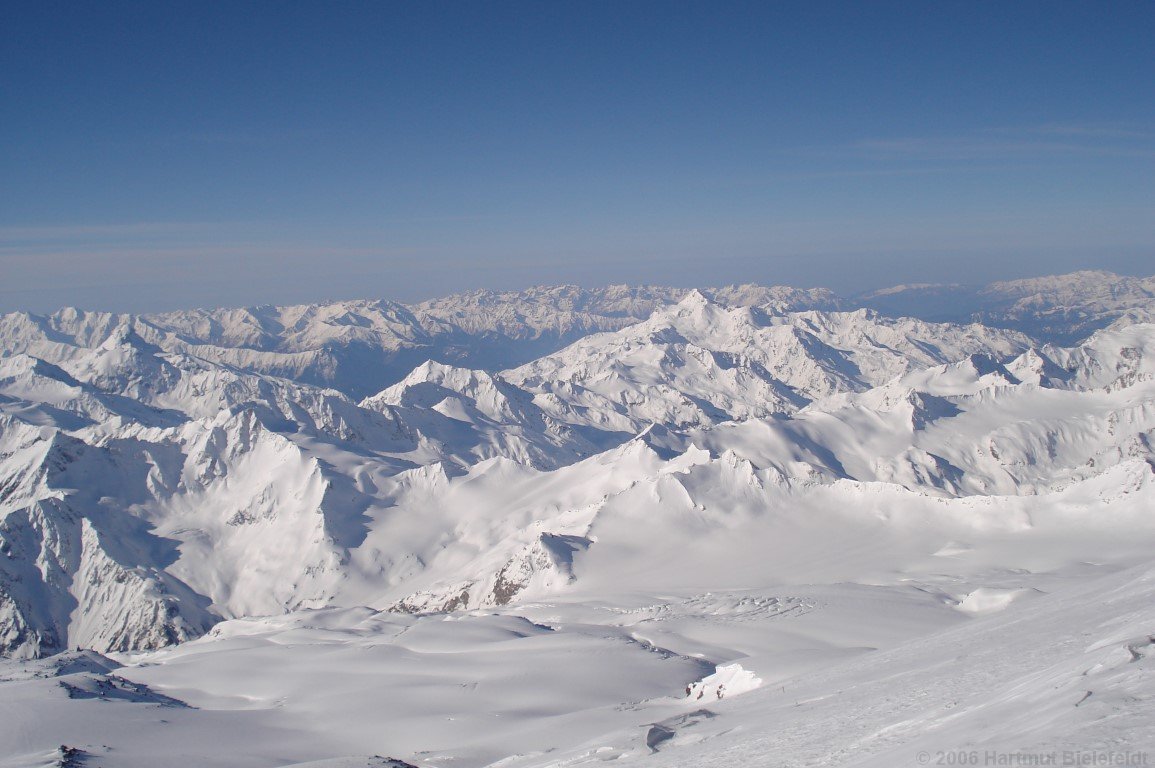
[982, 147]
[186, 257]
[86, 231]
[243, 138]
[1106, 131]
[1094, 139]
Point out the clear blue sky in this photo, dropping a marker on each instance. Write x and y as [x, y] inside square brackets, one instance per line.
[169, 154]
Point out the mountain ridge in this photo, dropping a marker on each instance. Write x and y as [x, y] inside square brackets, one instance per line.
[362, 346]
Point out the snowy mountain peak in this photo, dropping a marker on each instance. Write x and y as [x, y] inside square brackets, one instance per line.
[125, 335]
[697, 315]
[695, 298]
[431, 382]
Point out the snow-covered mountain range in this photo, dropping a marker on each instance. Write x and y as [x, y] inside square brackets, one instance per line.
[650, 481]
[1057, 308]
[360, 347]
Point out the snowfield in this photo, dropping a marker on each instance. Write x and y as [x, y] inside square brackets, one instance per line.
[737, 526]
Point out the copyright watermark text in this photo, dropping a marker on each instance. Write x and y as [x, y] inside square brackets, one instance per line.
[1086, 758]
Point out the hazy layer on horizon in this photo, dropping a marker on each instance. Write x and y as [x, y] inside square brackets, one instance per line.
[143, 297]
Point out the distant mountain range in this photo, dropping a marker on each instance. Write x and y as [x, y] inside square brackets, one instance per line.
[361, 347]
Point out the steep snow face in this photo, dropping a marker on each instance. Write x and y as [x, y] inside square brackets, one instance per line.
[501, 532]
[34, 391]
[79, 570]
[225, 486]
[1112, 359]
[698, 363]
[122, 606]
[467, 416]
[258, 529]
[966, 428]
[126, 382]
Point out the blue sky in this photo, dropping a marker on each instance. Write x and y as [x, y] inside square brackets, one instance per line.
[165, 155]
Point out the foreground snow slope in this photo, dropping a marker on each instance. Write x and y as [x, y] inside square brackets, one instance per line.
[850, 675]
[1066, 674]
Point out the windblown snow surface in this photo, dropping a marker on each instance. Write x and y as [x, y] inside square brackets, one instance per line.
[737, 526]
